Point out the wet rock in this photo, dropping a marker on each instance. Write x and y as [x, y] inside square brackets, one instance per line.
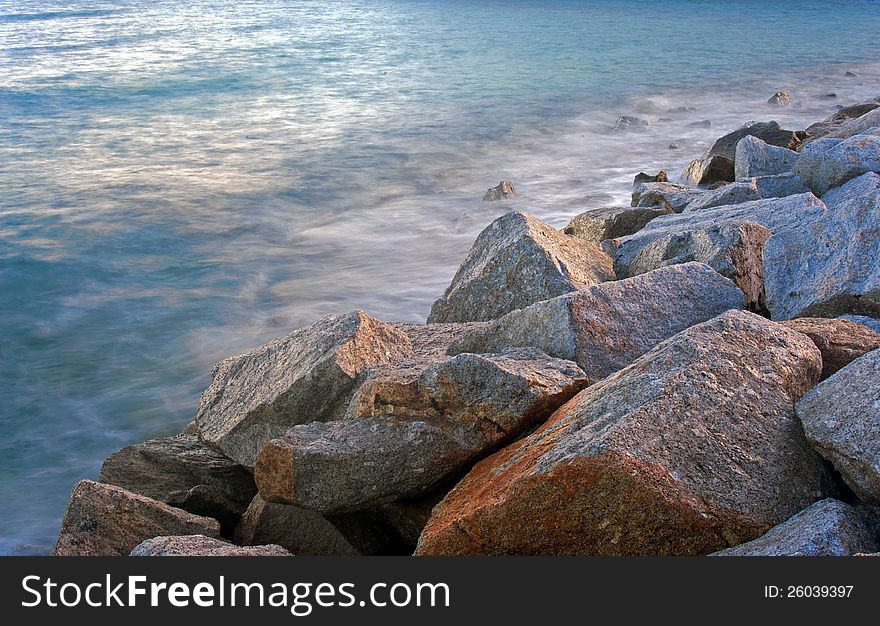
[199, 545]
[841, 418]
[628, 122]
[598, 225]
[692, 448]
[183, 472]
[840, 341]
[659, 177]
[518, 260]
[502, 191]
[829, 265]
[406, 438]
[669, 195]
[755, 157]
[308, 375]
[103, 520]
[606, 327]
[827, 528]
[780, 99]
[827, 163]
[731, 193]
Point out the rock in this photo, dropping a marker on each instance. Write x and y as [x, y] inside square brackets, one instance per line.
[841, 418]
[659, 177]
[628, 122]
[829, 265]
[681, 109]
[826, 163]
[827, 528]
[840, 341]
[701, 124]
[732, 193]
[672, 146]
[408, 518]
[185, 473]
[502, 191]
[406, 437]
[829, 96]
[862, 125]
[841, 119]
[670, 195]
[598, 225]
[850, 74]
[606, 327]
[780, 185]
[870, 322]
[755, 157]
[308, 375]
[199, 545]
[780, 99]
[103, 520]
[731, 239]
[518, 260]
[710, 170]
[692, 448]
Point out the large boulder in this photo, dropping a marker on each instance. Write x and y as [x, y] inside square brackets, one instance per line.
[408, 436]
[829, 264]
[827, 528]
[516, 261]
[840, 121]
[841, 418]
[606, 327]
[308, 375]
[183, 472]
[755, 157]
[732, 193]
[103, 520]
[780, 185]
[829, 163]
[861, 124]
[597, 225]
[840, 341]
[692, 448]
[199, 545]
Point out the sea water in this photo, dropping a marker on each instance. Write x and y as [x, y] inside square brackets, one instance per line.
[182, 180]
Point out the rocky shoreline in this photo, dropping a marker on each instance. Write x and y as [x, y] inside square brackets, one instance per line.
[698, 373]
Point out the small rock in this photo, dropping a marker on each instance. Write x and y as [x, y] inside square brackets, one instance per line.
[829, 96]
[780, 99]
[628, 122]
[672, 146]
[516, 261]
[701, 124]
[840, 341]
[827, 528]
[199, 545]
[850, 74]
[659, 177]
[103, 520]
[597, 225]
[755, 157]
[503, 191]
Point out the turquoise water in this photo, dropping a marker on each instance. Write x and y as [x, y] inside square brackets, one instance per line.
[182, 180]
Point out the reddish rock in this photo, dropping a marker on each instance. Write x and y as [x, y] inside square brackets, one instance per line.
[840, 341]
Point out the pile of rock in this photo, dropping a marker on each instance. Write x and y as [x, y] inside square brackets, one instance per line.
[694, 374]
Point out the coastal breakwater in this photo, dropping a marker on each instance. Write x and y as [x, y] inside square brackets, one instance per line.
[694, 374]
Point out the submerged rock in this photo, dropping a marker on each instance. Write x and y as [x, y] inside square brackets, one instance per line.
[628, 122]
[780, 99]
[840, 341]
[516, 261]
[502, 191]
[841, 418]
[308, 375]
[103, 520]
[598, 225]
[755, 157]
[829, 163]
[690, 449]
[199, 545]
[827, 528]
[606, 327]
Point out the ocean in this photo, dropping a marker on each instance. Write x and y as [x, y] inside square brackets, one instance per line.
[180, 181]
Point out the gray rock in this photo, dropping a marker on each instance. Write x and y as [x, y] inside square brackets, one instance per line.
[608, 326]
[780, 99]
[828, 163]
[827, 528]
[103, 520]
[405, 437]
[860, 125]
[870, 322]
[841, 418]
[516, 261]
[502, 191]
[780, 185]
[829, 265]
[199, 545]
[183, 472]
[755, 157]
[692, 448]
[732, 193]
[841, 119]
[308, 375]
[666, 195]
[598, 225]
[628, 122]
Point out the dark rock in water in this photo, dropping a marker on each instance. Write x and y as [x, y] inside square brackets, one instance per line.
[829, 96]
[183, 472]
[692, 448]
[502, 191]
[597, 225]
[628, 122]
[701, 124]
[103, 520]
[642, 177]
[199, 545]
[780, 98]
[840, 341]
[515, 261]
[827, 528]
[850, 74]
[673, 146]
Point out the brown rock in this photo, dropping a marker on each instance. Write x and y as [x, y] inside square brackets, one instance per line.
[780, 99]
[659, 177]
[597, 225]
[503, 191]
[840, 341]
[199, 545]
